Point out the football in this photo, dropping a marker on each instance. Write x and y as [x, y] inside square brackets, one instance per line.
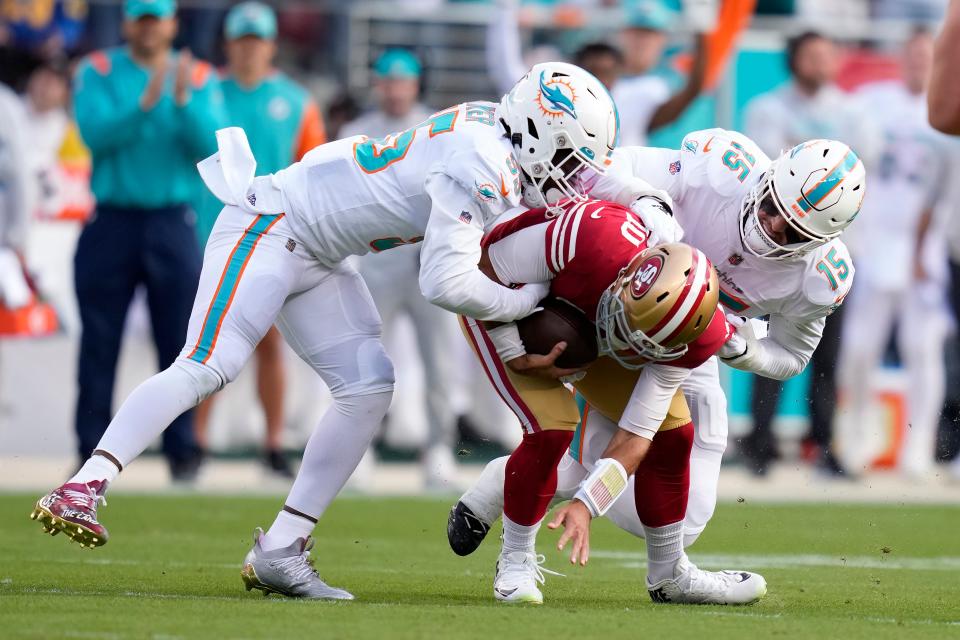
[560, 322]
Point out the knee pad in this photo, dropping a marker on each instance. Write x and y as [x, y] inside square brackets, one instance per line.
[206, 379]
[709, 410]
[356, 368]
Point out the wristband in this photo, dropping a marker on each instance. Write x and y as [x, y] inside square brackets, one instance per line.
[603, 486]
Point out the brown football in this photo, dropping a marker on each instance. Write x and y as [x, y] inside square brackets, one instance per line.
[560, 322]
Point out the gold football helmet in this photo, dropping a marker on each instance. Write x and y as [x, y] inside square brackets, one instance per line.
[660, 302]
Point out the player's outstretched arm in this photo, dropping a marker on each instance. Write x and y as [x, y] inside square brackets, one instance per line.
[645, 412]
[784, 353]
[674, 107]
[449, 258]
[943, 99]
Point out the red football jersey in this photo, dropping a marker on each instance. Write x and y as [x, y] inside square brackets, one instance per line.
[587, 245]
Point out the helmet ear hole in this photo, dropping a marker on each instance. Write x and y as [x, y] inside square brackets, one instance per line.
[532, 129]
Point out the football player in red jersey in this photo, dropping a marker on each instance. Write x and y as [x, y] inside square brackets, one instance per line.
[657, 318]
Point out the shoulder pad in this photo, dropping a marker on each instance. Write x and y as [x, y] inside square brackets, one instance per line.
[490, 173]
[695, 141]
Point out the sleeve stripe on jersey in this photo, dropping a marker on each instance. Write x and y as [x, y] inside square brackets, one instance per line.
[552, 244]
[559, 228]
[565, 236]
[574, 231]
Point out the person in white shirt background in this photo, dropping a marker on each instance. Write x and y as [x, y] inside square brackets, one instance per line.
[17, 196]
[902, 269]
[809, 106]
[644, 98]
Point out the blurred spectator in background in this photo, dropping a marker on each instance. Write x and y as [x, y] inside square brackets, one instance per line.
[16, 200]
[282, 123]
[48, 92]
[392, 277]
[643, 98]
[33, 31]
[809, 106]
[901, 270]
[341, 110]
[944, 98]
[147, 114]
[911, 10]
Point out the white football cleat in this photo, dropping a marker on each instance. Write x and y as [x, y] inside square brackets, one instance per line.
[696, 586]
[518, 573]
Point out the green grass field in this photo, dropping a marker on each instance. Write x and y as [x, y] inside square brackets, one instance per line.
[171, 570]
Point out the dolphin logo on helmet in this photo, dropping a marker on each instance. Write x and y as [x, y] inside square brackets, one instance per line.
[554, 95]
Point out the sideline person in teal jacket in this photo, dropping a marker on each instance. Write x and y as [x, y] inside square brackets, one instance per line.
[148, 114]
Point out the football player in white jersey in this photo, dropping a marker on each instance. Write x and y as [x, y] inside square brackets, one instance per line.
[906, 281]
[771, 230]
[276, 255]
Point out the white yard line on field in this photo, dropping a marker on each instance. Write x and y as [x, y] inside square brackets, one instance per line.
[638, 560]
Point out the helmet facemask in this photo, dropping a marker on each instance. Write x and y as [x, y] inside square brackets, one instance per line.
[630, 348]
[755, 238]
[560, 177]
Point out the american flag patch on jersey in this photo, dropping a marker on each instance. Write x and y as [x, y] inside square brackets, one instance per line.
[675, 167]
[466, 217]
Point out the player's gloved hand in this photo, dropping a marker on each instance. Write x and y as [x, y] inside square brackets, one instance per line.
[658, 220]
[530, 364]
[575, 519]
[742, 345]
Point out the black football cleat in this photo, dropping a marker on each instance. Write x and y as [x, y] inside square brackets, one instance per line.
[465, 530]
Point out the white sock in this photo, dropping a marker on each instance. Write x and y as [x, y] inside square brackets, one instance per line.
[284, 530]
[95, 468]
[334, 450]
[664, 550]
[485, 497]
[153, 405]
[518, 537]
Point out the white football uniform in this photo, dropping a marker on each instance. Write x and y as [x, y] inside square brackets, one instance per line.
[906, 183]
[440, 183]
[276, 255]
[707, 179]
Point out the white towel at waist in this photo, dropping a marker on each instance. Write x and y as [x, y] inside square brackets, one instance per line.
[229, 174]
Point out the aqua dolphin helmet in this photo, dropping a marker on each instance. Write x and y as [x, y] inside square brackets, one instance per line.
[560, 120]
[817, 187]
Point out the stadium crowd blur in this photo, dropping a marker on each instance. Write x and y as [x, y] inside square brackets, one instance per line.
[296, 74]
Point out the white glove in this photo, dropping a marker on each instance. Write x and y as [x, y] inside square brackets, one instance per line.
[658, 220]
[701, 15]
[14, 291]
[742, 349]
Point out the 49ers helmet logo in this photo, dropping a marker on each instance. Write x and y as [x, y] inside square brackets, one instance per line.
[645, 275]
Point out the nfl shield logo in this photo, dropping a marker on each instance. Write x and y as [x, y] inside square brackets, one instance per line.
[674, 168]
[466, 217]
[735, 259]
